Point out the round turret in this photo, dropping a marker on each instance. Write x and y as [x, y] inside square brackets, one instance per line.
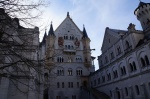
[142, 13]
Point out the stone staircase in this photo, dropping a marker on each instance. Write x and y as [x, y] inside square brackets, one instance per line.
[92, 93]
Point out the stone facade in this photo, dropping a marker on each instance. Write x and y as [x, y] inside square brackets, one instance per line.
[68, 61]
[124, 65]
[18, 59]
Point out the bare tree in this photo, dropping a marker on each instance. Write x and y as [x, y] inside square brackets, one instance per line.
[19, 61]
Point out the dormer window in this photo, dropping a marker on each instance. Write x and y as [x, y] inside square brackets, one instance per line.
[127, 44]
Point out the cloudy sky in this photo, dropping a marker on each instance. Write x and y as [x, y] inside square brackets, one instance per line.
[96, 15]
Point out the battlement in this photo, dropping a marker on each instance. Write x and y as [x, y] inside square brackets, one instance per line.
[142, 10]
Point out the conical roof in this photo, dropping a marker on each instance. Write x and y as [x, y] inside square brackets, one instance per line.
[51, 31]
[84, 33]
[44, 37]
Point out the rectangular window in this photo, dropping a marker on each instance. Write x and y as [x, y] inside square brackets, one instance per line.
[68, 84]
[63, 85]
[57, 84]
[71, 84]
[78, 85]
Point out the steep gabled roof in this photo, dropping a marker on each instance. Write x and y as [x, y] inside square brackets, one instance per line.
[111, 37]
[68, 17]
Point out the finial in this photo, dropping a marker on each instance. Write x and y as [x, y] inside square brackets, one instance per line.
[51, 22]
[68, 14]
[83, 25]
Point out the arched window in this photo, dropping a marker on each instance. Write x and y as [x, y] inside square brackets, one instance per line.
[68, 46]
[78, 59]
[126, 91]
[69, 71]
[79, 71]
[60, 59]
[137, 89]
[134, 66]
[122, 73]
[131, 67]
[127, 44]
[147, 60]
[124, 69]
[108, 77]
[63, 85]
[143, 62]
[60, 71]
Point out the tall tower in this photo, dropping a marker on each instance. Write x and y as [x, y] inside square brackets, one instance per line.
[142, 13]
[50, 48]
[86, 48]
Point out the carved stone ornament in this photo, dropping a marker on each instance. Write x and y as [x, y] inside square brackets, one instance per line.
[77, 42]
[60, 41]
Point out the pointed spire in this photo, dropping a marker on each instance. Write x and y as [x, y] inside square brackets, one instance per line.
[84, 33]
[44, 37]
[68, 14]
[51, 32]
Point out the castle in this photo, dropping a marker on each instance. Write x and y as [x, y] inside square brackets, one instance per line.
[62, 66]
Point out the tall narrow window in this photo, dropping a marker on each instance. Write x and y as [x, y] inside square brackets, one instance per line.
[69, 84]
[78, 85]
[127, 44]
[58, 85]
[143, 62]
[131, 67]
[134, 66]
[147, 60]
[70, 72]
[63, 85]
[137, 89]
[126, 91]
[98, 80]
